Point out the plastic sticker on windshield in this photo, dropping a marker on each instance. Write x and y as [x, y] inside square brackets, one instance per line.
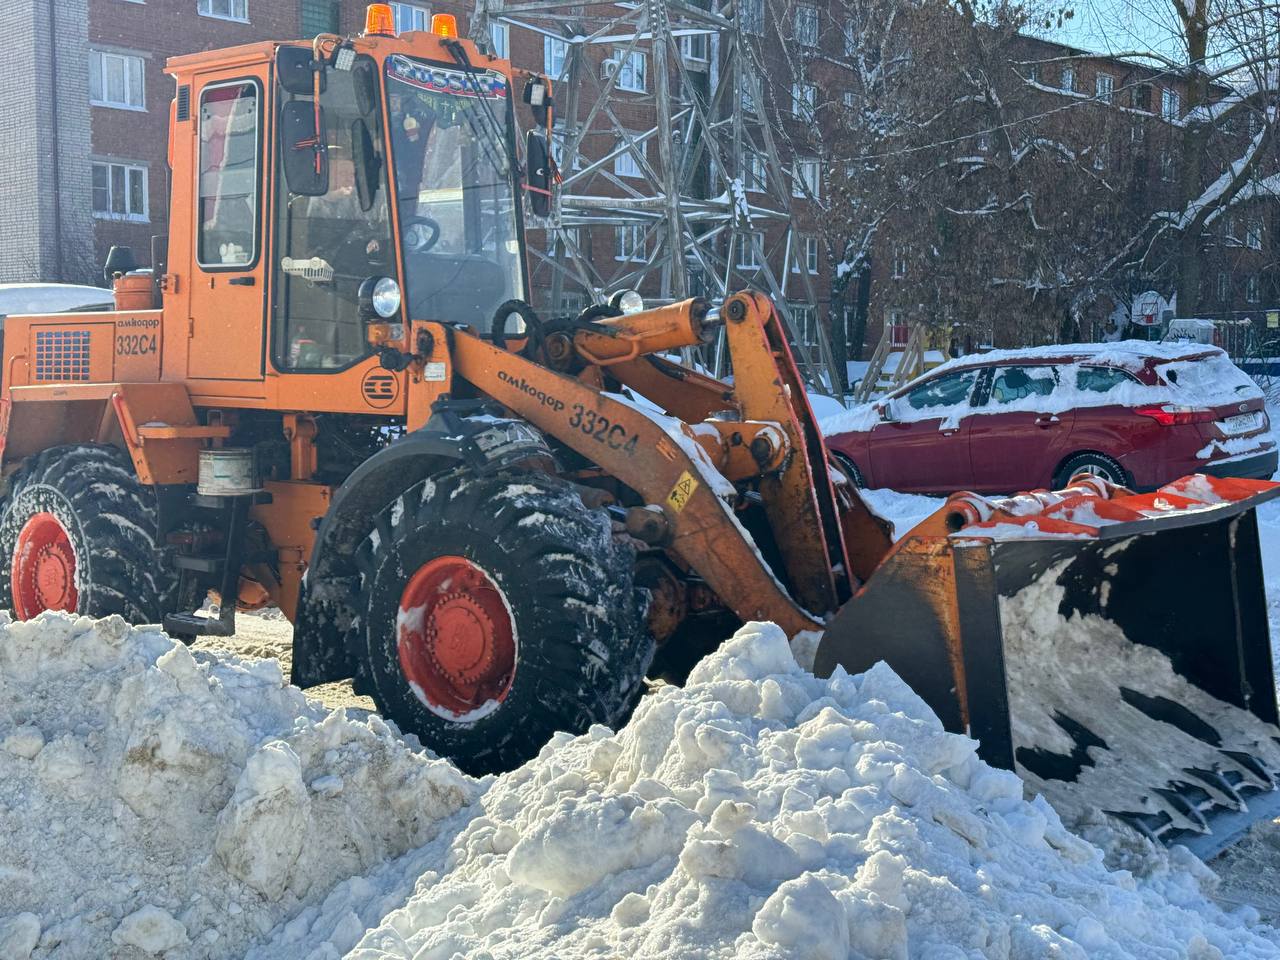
[487, 83]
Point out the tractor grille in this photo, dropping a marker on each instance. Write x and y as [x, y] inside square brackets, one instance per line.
[62, 355]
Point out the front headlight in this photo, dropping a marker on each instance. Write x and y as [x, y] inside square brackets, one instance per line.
[628, 301]
[386, 298]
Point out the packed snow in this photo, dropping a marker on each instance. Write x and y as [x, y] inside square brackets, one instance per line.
[157, 802]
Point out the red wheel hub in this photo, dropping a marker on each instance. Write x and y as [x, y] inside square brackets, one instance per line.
[455, 638]
[44, 568]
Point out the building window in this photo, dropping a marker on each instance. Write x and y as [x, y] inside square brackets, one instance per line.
[1251, 288]
[804, 97]
[1068, 78]
[752, 14]
[850, 39]
[804, 316]
[1224, 287]
[847, 99]
[1168, 166]
[631, 71]
[807, 24]
[500, 40]
[1033, 72]
[1170, 104]
[806, 180]
[1253, 234]
[630, 244]
[749, 246]
[120, 192]
[225, 9]
[809, 252]
[228, 182]
[1100, 157]
[754, 173]
[898, 332]
[555, 55]
[625, 163]
[1104, 87]
[116, 80]
[1142, 97]
[899, 261]
[1137, 133]
[984, 143]
[410, 16]
[694, 47]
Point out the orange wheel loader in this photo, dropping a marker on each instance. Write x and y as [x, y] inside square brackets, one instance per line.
[331, 394]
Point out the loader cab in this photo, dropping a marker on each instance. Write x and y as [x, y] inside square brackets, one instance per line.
[321, 172]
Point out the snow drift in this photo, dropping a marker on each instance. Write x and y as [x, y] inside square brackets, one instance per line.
[153, 801]
[159, 803]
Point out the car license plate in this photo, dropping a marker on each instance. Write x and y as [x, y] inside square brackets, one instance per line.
[1243, 423]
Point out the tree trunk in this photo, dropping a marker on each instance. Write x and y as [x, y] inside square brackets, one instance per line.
[1195, 137]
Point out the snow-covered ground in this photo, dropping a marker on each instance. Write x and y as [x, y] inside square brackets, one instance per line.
[161, 801]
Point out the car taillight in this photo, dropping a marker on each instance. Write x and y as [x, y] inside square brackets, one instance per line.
[1169, 415]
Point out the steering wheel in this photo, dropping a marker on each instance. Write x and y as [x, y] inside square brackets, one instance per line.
[420, 233]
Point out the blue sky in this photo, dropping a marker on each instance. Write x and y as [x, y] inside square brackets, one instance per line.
[1118, 26]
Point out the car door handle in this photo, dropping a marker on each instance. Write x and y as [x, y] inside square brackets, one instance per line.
[1046, 420]
[950, 431]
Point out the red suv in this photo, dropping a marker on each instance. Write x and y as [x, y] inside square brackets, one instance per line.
[1138, 414]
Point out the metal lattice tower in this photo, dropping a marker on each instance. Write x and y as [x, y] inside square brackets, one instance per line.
[689, 212]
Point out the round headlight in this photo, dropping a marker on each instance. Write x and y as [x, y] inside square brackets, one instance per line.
[386, 298]
[628, 301]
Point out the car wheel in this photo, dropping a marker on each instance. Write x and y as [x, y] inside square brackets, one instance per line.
[1093, 464]
[849, 468]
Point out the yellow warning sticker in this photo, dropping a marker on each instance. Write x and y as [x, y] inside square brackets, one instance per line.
[682, 491]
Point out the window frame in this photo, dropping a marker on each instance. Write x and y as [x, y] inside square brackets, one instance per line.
[755, 172]
[548, 45]
[1253, 233]
[127, 166]
[413, 8]
[971, 397]
[1170, 103]
[627, 158]
[799, 181]
[1252, 289]
[805, 11]
[259, 200]
[222, 16]
[637, 231]
[988, 398]
[1067, 79]
[753, 24]
[97, 57]
[803, 92]
[1104, 92]
[627, 66]
[505, 30]
[749, 247]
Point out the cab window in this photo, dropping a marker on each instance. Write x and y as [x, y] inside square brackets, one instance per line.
[1011, 384]
[945, 391]
[328, 245]
[228, 186]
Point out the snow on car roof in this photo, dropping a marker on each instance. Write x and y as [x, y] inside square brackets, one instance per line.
[1129, 354]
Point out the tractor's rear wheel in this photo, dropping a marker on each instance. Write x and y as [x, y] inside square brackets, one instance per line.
[79, 533]
[497, 610]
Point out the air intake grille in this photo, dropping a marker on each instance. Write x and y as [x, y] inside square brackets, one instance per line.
[62, 355]
[184, 103]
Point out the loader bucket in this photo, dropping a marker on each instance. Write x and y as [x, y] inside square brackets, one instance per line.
[1111, 648]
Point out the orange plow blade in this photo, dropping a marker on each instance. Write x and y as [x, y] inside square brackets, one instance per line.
[1112, 648]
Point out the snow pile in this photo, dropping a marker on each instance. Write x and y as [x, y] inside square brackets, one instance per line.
[761, 812]
[155, 801]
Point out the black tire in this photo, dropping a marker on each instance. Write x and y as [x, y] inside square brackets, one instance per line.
[110, 520]
[1097, 464]
[581, 648]
[844, 463]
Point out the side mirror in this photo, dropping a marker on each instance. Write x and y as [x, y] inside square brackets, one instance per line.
[537, 94]
[367, 164]
[538, 173]
[885, 409]
[297, 71]
[306, 162]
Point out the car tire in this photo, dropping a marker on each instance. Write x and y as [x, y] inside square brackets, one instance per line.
[1094, 464]
[849, 468]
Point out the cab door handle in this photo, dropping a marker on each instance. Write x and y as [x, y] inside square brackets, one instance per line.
[241, 281]
[1046, 420]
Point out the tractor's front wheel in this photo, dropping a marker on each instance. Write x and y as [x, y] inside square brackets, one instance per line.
[496, 611]
[79, 533]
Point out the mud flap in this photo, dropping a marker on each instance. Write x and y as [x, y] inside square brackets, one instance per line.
[1120, 666]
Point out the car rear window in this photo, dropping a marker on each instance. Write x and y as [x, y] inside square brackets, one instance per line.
[1010, 384]
[1209, 380]
[1102, 379]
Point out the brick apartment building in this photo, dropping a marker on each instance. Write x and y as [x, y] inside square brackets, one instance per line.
[87, 91]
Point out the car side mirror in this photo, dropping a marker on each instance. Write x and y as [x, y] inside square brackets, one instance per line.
[306, 162]
[538, 173]
[885, 409]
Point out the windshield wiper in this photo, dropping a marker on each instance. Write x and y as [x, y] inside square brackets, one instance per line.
[492, 127]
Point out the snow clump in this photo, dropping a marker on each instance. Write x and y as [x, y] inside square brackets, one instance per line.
[760, 812]
[159, 802]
